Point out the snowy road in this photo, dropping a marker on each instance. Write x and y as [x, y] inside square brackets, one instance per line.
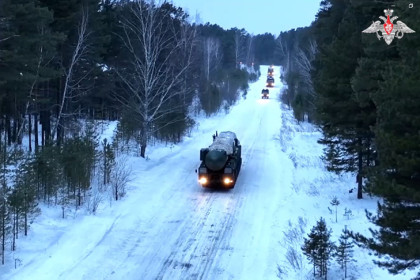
[195, 233]
[168, 227]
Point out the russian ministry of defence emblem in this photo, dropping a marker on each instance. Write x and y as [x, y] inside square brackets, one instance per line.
[388, 29]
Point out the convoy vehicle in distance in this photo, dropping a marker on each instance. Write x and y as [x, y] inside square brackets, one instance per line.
[265, 94]
[270, 71]
[270, 81]
[220, 162]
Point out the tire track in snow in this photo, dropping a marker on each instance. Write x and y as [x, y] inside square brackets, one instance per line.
[190, 229]
[185, 264]
[190, 256]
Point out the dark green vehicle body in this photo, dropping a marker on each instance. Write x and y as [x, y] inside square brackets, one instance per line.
[270, 81]
[221, 162]
[265, 94]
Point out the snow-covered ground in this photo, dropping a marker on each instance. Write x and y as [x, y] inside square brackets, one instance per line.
[168, 227]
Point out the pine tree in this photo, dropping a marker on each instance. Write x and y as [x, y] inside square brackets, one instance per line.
[78, 161]
[334, 66]
[265, 44]
[344, 251]
[26, 59]
[318, 247]
[396, 177]
[22, 199]
[309, 248]
[335, 202]
[5, 219]
[345, 108]
[49, 173]
[30, 203]
[109, 160]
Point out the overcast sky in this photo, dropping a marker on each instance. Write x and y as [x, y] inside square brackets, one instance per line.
[256, 17]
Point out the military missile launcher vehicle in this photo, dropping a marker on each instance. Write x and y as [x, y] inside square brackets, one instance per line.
[220, 162]
[270, 81]
[265, 94]
[270, 71]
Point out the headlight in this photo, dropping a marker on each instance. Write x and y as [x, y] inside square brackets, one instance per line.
[227, 181]
[203, 180]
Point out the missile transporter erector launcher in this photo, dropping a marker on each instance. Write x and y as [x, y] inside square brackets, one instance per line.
[270, 71]
[265, 94]
[270, 81]
[220, 162]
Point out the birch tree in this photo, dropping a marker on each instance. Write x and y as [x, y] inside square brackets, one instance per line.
[70, 83]
[304, 60]
[153, 75]
[240, 46]
[212, 55]
[250, 49]
[282, 50]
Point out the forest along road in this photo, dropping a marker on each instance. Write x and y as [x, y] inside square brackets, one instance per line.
[171, 228]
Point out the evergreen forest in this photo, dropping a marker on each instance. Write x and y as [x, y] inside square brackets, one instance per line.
[364, 94]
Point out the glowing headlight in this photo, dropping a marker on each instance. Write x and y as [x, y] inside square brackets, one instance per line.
[227, 181]
[203, 180]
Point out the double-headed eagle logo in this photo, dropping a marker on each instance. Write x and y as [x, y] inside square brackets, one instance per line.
[388, 30]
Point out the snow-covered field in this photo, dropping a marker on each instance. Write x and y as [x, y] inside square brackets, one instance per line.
[168, 227]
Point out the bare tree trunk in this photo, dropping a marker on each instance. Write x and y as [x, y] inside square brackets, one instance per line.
[41, 116]
[143, 139]
[359, 180]
[8, 130]
[249, 50]
[14, 229]
[360, 170]
[3, 201]
[116, 192]
[46, 126]
[3, 228]
[30, 131]
[212, 55]
[31, 90]
[304, 60]
[78, 53]
[14, 130]
[237, 48]
[207, 60]
[26, 214]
